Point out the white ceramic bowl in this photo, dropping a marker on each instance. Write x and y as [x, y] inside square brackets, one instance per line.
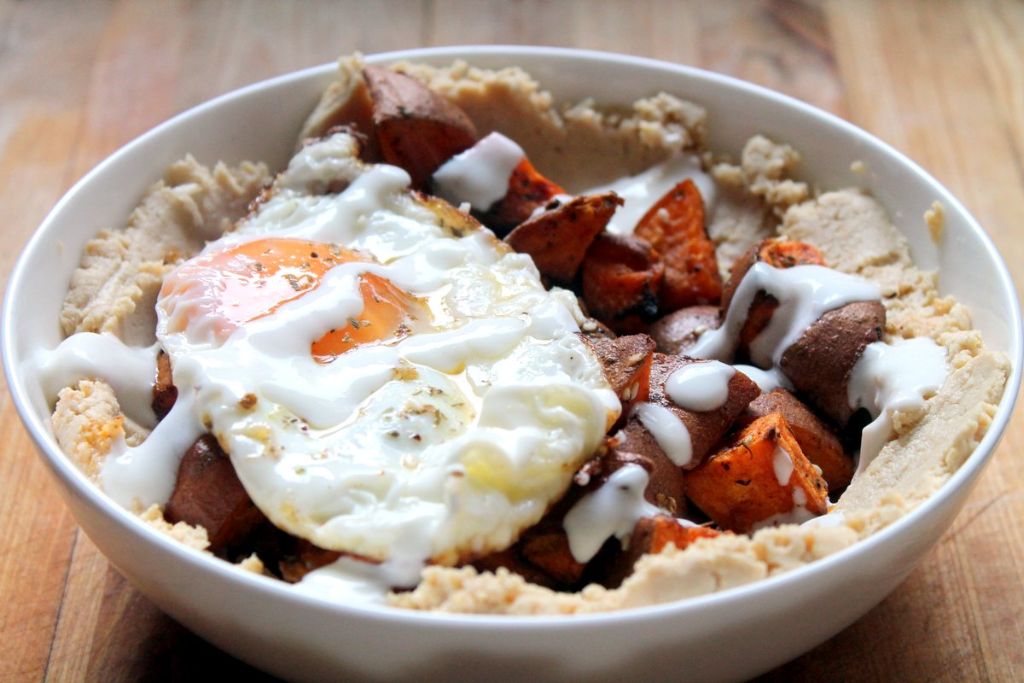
[730, 635]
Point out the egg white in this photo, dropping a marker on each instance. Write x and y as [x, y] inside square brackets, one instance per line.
[445, 444]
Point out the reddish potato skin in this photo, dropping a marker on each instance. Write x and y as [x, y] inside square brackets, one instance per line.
[674, 227]
[627, 367]
[165, 394]
[677, 332]
[621, 279]
[706, 428]
[417, 129]
[208, 493]
[528, 191]
[558, 240]
[819, 363]
[816, 439]
[738, 487]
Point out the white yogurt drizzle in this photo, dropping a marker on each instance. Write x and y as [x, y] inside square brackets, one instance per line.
[479, 176]
[805, 293]
[700, 387]
[891, 377]
[766, 380]
[130, 371]
[641, 191]
[612, 510]
[782, 464]
[668, 430]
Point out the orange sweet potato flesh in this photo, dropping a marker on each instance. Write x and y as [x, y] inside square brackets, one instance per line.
[208, 493]
[622, 276]
[706, 428]
[677, 332]
[627, 366]
[739, 487]
[816, 439]
[528, 191]
[417, 129]
[651, 535]
[674, 226]
[558, 240]
[164, 392]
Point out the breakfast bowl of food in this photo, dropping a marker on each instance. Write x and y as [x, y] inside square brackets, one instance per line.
[517, 362]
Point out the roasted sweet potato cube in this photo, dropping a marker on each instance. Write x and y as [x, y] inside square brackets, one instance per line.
[676, 332]
[651, 535]
[528, 191]
[778, 254]
[164, 392]
[511, 560]
[705, 428]
[547, 548]
[305, 558]
[558, 239]
[621, 279]
[816, 439]
[417, 129]
[208, 493]
[761, 479]
[674, 226]
[820, 362]
[627, 366]
[666, 484]
[774, 252]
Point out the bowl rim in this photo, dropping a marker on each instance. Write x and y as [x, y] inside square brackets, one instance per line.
[77, 483]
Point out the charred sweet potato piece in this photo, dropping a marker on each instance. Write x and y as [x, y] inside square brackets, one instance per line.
[627, 366]
[208, 493]
[512, 560]
[417, 129]
[706, 428]
[559, 239]
[621, 279]
[164, 392]
[674, 226]
[651, 535]
[819, 363]
[763, 477]
[676, 332]
[528, 191]
[816, 439]
[778, 254]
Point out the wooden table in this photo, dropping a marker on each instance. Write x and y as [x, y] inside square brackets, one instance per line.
[942, 81]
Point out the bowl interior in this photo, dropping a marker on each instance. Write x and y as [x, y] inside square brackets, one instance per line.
[260, 123]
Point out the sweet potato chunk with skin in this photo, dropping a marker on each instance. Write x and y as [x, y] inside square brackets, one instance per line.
[651, 535]
[208, 493]
[819, 363]
[558, 239]
[165, 394]
[706, 428]
[819, 444]
[621, 279]
[417, 129]
[627, 366]
[528, 191]
[305, 559]
[677, 332]
[762, 478]
[674, 226]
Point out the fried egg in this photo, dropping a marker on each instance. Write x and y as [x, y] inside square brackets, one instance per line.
[385, 384]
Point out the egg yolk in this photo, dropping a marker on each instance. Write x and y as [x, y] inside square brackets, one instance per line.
[253, 279]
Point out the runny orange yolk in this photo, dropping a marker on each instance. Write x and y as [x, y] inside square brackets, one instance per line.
[253, 279]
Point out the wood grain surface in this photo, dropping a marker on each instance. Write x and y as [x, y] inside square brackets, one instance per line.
[943, 81]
